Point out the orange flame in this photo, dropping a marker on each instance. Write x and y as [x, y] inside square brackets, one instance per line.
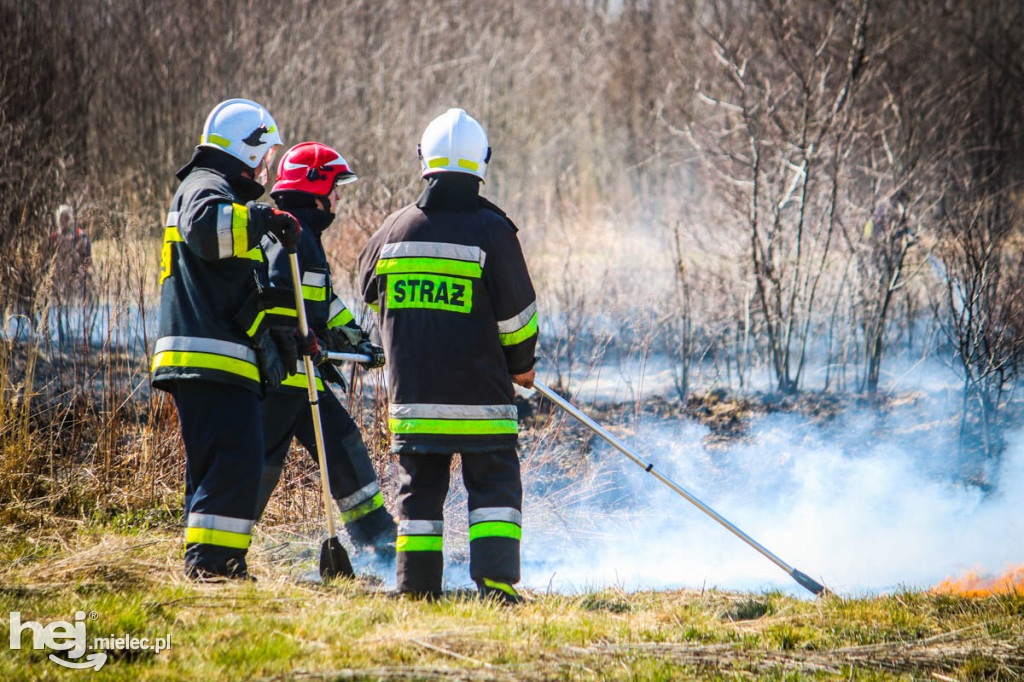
[975, 583]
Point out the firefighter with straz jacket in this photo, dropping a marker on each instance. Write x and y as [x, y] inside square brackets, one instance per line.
[214, 352]
[459, 323]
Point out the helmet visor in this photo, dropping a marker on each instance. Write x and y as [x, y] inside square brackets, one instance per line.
[263, 170]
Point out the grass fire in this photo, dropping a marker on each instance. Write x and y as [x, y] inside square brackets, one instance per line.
[572, 339]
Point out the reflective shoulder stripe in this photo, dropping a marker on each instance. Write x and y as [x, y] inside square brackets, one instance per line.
[438, 411]
[517, 322]
[172, 219]
[204, 345]
[463, 252]
[233, 231]
[408, 527]
[358, 497]
[314, 279]
[338, 314]
[314, 293]
[507, 514]
[435, 266]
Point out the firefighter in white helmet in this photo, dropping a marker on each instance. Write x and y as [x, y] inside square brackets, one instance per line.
[214, 353]
[458, 318]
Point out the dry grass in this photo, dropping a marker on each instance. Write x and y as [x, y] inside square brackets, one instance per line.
[280, 628]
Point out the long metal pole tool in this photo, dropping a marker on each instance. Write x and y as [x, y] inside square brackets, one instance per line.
[805, 580]
[334, 559]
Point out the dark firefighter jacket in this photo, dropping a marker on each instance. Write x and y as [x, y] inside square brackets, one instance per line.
[324, 310]
[458, 316]
[209, 303]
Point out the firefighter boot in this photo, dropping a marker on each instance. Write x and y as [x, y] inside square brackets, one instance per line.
[500, 590]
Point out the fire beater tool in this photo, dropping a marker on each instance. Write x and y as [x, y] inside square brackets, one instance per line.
[334, 559]
[803, 579]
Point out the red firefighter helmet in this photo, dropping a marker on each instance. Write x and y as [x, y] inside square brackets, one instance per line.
[312, 168]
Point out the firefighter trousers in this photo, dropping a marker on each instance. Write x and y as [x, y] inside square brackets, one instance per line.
[353, 482]
[220, 426]
[495, 519]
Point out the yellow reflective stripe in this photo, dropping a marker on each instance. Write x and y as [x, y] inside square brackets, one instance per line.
[173, 358]
[436, 163]
[255, 253]
[458, 427]
[375, 307]
[255, 327]
[437, 266]
[221, 538]
[504, 587]
[495, 529]
[471, 165]
[419, 543]
[299, 381]
[280, 310]
[171, 235]
[521, 334]
[240, 230]
[342, 318]
[217, 139]
[360, 510]
[314, 293]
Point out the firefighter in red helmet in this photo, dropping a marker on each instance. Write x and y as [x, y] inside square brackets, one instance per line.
[308, 179]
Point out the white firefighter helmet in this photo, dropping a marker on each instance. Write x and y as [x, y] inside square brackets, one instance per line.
[454, 142]
[243, 129]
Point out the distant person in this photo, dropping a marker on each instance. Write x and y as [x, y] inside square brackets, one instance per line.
[72, 250]
[307, 185]
[459, 323]
[214, 353]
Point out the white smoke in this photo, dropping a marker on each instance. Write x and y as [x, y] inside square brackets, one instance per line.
[865, 504]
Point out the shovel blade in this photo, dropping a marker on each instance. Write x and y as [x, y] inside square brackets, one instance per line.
[334, 561]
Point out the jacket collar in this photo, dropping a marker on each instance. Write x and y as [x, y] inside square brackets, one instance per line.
[227, 166]
[451, 192]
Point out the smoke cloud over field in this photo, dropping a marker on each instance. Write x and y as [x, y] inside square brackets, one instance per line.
[866, 503]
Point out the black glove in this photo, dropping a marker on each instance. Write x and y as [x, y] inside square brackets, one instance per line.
[284, 339]
[272, 369]
[308, 346]
[376, 353]
[330, 374]
[281, 226]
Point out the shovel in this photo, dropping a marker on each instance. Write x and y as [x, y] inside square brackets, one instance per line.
[334, 561]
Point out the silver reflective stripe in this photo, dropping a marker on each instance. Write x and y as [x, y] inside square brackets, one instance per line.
[516, 323]
[214, 522]
[224, 243]
[358, 497]
[473, 254]
[421, 527]
[197, 344]
[508, 514]
[314, 279]
[431, 411]
[172, 219]
[336, 307]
